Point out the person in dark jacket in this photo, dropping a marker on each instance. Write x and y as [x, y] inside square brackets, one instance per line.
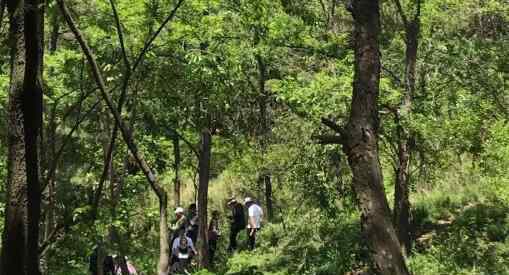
[237, 222]
[192, 230]
[213, 235]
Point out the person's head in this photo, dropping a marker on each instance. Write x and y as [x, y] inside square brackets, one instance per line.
[183, 241]
[231, 202]
[179, 212]
[248, 201]
[215, 214]
[192, 208]
[120, 260]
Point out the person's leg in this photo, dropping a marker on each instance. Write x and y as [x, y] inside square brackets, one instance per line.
[251, 239]
[233, 239]
[212, 250]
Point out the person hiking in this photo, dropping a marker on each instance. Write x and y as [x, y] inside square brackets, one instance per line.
[122, 261]
[213, 235]
[255, 214]
[192, 230]
[109, 266]
[179, 226]
[237, 222]
[182, 252]
[92, 262]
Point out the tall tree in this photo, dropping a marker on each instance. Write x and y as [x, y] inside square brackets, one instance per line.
[361, 144]
[20, 247]
[401, 217]
[359, 138]
[203, 188]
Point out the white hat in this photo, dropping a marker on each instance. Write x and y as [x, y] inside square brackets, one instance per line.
[179, 210]
[247, 199]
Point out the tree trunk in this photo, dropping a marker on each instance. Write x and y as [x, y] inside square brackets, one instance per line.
[268, 196]
[265, 177]
[176, 153]
[20, 251]
[361, 143]
[203, 188]
[164, 253]
[55, 30]
[401, 217]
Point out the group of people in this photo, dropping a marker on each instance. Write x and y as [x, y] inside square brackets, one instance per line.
[184, 234]
[112, 264]
[238, 221]
[185, 227]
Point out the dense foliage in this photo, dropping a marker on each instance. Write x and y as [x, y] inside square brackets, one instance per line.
[205, 69]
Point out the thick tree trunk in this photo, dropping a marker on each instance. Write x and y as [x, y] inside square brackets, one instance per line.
[20, 251]
[176, 154]
[203, 189]
[401, 217]
[361, 143]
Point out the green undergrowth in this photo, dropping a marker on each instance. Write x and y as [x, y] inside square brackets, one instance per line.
[459, 229]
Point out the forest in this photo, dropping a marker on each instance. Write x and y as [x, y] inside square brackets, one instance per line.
[250, 137]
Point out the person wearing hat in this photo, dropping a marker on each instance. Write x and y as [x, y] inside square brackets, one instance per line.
[255, 214]
[178, 227]
[237, 222]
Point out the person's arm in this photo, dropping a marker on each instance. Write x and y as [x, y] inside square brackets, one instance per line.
[192, 246]
[251, 221]
[174, 246]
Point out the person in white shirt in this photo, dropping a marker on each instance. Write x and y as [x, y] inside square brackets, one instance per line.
[255, 215]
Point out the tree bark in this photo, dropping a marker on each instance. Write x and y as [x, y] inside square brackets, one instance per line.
[361, 142]
[401, 216]
[20, 251]
[203, 188]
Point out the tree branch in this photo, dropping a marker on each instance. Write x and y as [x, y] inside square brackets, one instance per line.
[418, 11]
[401, 12]
[187, 142]
[44, 247]
[127, 135]
[331, 124]
[66, 140]
[393, 75]
[328, 139]
[120, 34]
[154, 36]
